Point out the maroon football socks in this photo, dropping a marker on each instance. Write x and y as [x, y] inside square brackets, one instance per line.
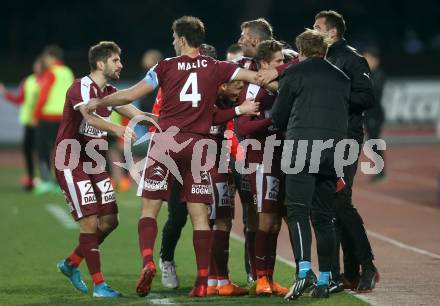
[202, 244]
[147, 230]
[75, 258]
[89, 245]
[261, 246]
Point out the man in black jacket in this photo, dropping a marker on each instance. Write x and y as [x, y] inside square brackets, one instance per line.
[312, 107]
[349, 225]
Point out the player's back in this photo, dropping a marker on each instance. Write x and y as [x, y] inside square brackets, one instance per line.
[189, 87]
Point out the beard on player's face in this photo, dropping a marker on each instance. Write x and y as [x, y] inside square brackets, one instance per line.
[248, 43]
[248, 50]
[112, 74]
[321, 26]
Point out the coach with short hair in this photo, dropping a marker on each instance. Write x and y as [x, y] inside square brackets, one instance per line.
[350, 230]
[312, 106]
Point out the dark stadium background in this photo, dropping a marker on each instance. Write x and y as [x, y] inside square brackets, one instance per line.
[407, 32]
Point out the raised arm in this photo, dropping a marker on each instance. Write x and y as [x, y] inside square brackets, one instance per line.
[247, 76]
[251, 77]
[266, 76]
[122, 97]
[130, 111]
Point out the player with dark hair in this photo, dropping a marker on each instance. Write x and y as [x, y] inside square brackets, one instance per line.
[266, 184]
[221, 214]
[350, 230]
[332, 22]
[252, 33]
[189, 85]
[222, 208]
[84, 181]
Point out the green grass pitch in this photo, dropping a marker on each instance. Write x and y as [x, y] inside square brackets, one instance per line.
[33, 241]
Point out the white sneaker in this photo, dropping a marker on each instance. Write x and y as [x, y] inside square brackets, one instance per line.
[169, 276]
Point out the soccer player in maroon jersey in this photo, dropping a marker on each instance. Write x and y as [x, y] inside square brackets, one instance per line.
[222, 208]
[80, 166]
[189, 85]
[252, 33]
[268, 180]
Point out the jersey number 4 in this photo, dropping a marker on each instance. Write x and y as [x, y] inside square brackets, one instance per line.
[194, 97]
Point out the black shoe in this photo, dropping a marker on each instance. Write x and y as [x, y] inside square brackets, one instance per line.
[320, 292]
[301, 285]
[350, 283]
[368, 280]
[336, 285]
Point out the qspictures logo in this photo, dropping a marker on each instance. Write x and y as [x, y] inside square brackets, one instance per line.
[162, 145]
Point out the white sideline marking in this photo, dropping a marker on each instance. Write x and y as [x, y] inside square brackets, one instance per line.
[157, 300]
[162, 302]
[293, 265]
[365, 297]
[61, 215]
[402, 245]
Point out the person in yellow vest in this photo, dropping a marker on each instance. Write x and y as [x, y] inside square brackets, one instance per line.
[27, 96]
[48, 112]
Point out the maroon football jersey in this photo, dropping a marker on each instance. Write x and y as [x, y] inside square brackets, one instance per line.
[217, 131]
[73, 125]
[189, 87]
[266, 99]
[247, 63]
[258, 127]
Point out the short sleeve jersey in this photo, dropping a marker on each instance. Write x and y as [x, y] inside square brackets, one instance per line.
[189, 90]
[73, 125]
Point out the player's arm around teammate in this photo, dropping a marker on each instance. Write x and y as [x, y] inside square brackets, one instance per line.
[130, 111]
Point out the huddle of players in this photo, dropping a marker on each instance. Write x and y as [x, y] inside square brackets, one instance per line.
[190, 86]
